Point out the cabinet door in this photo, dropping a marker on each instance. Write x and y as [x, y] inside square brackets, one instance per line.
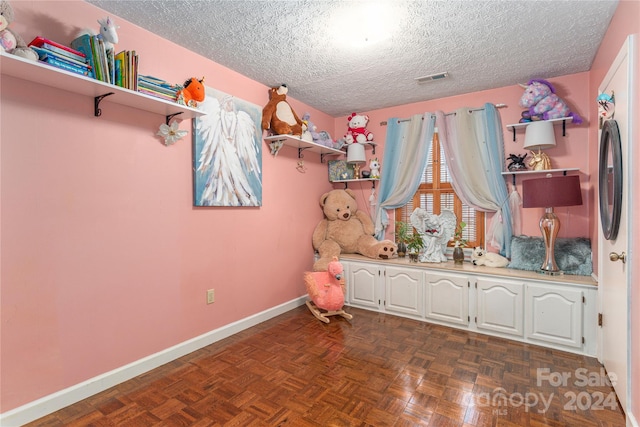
[500, 306]
[362, 285]
[447, 298]
[554, 314]
[403, 291]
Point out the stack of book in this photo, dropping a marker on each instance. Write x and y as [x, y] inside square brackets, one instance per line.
[156, 87]
[100, 59]
[126, 69]
[62, 57]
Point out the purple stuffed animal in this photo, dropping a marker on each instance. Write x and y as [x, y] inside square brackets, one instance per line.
[543, 103]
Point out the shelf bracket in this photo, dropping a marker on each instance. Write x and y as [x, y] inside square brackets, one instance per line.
[168, 117]
[564, 128]
[96, 104]
[513, 175]
[322, 155]
[514, 133]
[300, 150]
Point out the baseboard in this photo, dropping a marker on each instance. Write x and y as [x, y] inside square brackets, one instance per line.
[56, 401]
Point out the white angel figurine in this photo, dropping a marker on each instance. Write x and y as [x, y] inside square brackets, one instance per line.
[436, 231]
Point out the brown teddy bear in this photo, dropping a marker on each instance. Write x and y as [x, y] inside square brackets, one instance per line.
[346, 230]
[278, 115]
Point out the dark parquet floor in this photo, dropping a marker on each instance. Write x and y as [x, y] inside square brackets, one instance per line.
[375, 370]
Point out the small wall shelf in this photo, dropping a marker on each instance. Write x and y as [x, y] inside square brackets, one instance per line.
[347, 181]
[551, 171]
[41, 73]
[561, 120]
[302, 145]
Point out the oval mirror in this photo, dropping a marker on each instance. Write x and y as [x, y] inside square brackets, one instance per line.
[610, 179]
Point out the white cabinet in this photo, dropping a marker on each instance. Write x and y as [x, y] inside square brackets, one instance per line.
[499, 306]
[554, 314]
[362, 285]
[558, 313]
[447, 298]
[403, 291]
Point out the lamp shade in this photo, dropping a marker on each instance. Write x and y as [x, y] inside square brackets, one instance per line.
[355, 153]
[539, 136]
[552, 192]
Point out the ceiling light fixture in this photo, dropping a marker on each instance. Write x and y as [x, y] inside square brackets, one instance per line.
[432, 77]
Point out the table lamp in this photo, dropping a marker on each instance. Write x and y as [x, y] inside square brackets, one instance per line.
[355, 156]
[539, 136]
[548, 193]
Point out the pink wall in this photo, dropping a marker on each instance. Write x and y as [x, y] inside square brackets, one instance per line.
[570, 151]
[104, 259]
[625, 22]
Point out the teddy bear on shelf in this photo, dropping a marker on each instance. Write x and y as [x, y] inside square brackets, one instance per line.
[346, 229]
[358, 132]
[278, 116]
[10, 41]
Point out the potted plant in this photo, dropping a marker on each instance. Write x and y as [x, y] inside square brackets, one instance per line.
[459, 242]
[402, 237]
[414, 245]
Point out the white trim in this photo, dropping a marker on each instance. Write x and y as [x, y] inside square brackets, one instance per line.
[631, 420]
[60, 399]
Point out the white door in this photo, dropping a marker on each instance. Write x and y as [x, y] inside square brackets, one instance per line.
[614, 276]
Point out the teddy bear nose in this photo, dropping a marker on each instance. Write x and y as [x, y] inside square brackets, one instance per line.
[346, 215]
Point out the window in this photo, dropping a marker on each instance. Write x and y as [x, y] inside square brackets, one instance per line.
[436, 193]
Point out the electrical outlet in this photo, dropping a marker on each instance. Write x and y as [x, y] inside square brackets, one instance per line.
[211, 298]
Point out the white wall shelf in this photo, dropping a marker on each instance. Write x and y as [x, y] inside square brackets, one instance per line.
[561, 120]
[41, 73]
[347, 181]
[537, 172]
[301, 145]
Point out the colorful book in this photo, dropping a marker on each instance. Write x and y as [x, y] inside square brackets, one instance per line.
[83, 44]
[67, 66]
[58, 48]
[43, 53]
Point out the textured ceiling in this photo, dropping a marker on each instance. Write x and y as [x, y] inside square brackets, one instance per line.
[481, 44]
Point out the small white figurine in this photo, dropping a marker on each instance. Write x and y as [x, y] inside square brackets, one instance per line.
[481, 257]
[374, 165]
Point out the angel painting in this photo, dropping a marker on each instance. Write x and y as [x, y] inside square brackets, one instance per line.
[436, 231]
[227, 152]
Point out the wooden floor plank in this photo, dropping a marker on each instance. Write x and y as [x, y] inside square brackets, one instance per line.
[375, 370]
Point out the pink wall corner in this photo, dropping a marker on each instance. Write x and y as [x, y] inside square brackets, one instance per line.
[104, 258]
[625, 22]
[569, 153]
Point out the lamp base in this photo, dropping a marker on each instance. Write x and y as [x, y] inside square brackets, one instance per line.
[549, 226]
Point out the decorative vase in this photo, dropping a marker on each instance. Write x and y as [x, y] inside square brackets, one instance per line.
[458, 255]
[402, 249]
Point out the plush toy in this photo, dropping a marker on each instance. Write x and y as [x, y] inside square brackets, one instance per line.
[481, 257]
[10, 41]
[358, 131]
[327, 290]
[543, 103]
[374, 165]
[319, 137]
[192, 93]
[278, 116]
[345, 229]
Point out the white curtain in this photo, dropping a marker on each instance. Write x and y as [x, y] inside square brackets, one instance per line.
[474, 148]
[406, 149]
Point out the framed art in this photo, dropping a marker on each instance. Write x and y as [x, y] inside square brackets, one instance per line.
[340, 170]
[227, 152]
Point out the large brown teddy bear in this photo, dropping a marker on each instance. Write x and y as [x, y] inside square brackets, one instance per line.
[278, 115]
[346, 230]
